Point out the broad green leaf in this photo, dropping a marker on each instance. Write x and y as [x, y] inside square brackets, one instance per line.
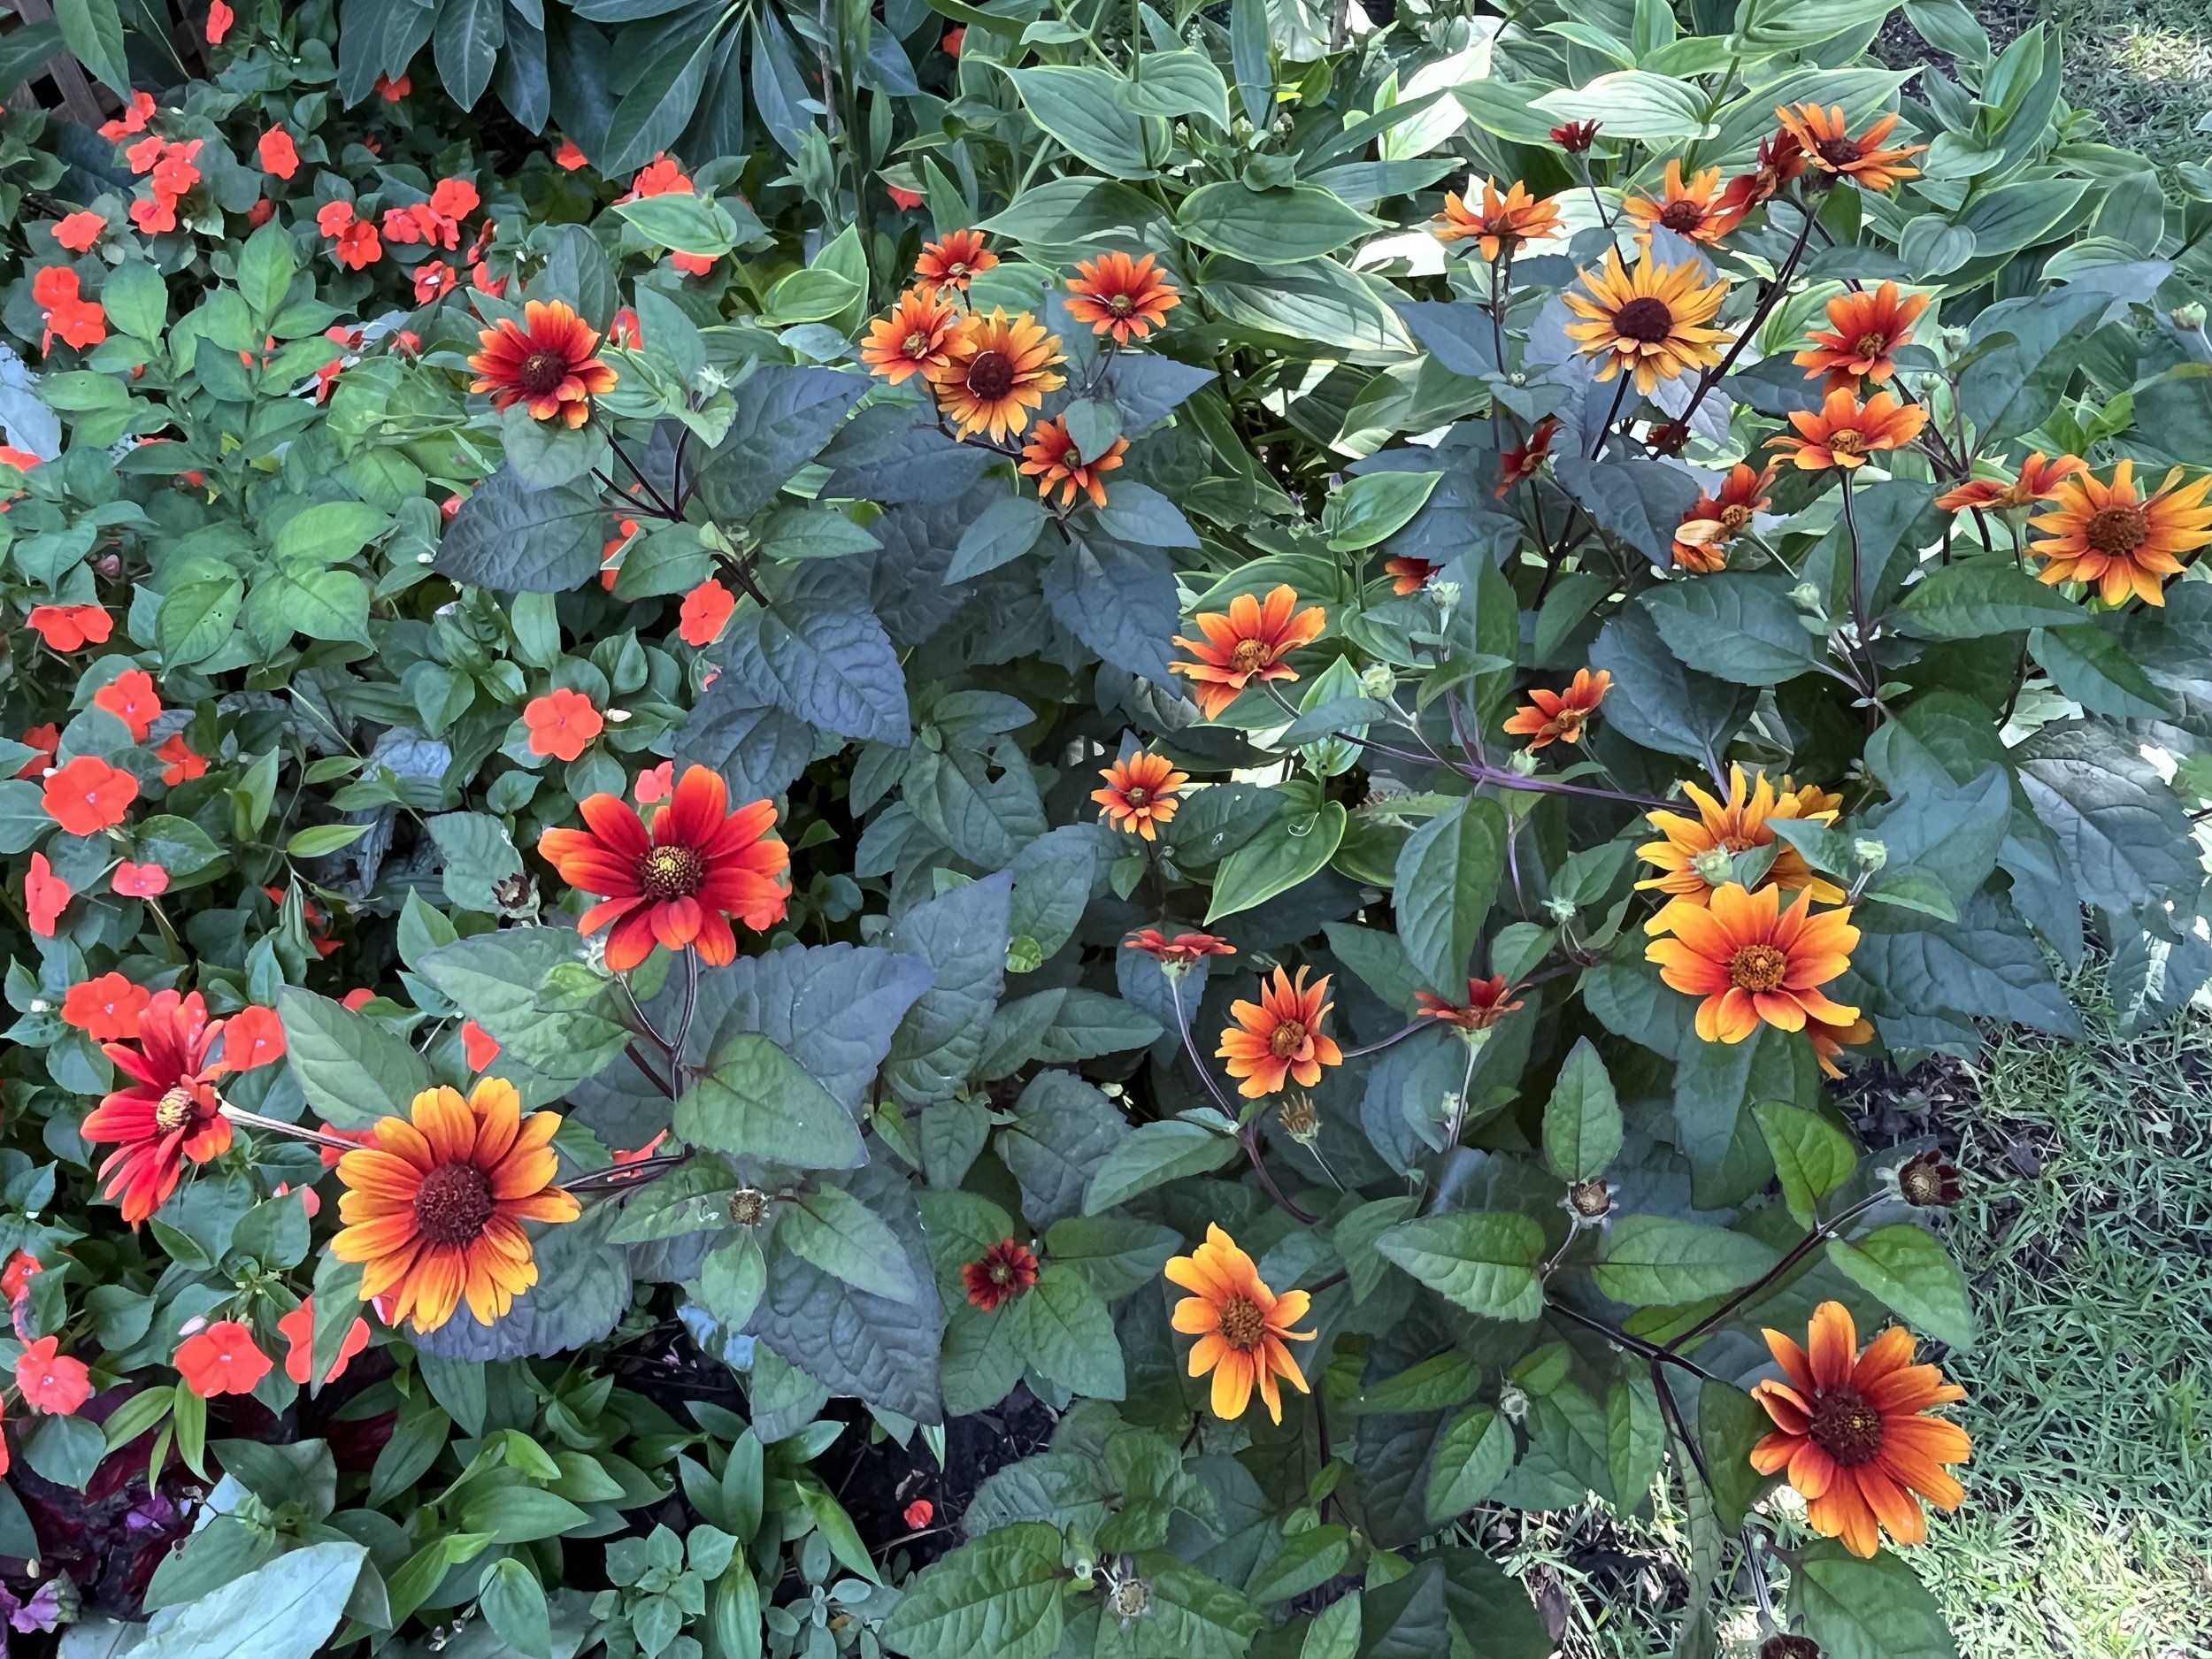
[1582, 1120]
[1634, 103]
[1913, 1277]
[999, 1595]
[760, 1102]
[1375, 506]
[1484, 1261]
[1656, 1260]
[1448, 872]
[1975, 597]
[1153, 1155]
[1868, 1610]
[513, 1602]
[1283, 225]
[352, 1071]
[285, 1610]
[1812, 1157]
[1285, 852]
[1471, 1458]
[847, 1240]
[1063, 1329]
[1088, 111]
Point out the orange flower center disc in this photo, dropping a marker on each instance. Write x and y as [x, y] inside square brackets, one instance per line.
[1847, 442]
[453, 1203]
[1846, 1427]
[1870, 345]
[2117, 530]
[1758, 967]
[1288, 1038]
[1242, 1324]
[1645, 318]
[542, 372]
[173, 1110]
[991, 376]
[1248, 655]
[669, 872]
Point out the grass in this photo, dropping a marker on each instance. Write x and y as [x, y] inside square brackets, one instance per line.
[2143, 67]
[2087, 1234]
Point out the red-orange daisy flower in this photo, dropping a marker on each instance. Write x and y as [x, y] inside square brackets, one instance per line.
[913, 337]
[1752, 962]
[1007, 1269]
[169, 1115]
[1500, 224]
[1781, 160]
[1524, 460]
[544, 363]
[434, 1206]
[1140, 793]
[1852, 1432]
[702, 865]
[998, 370]
[1695, 208]
[1280, 1037]
[1558, 716]
[1180, 951]
[1410, 575]
[1051, 458]
[1701, 540]
[1825, 137]
[2037, 480]
[1864, 331]
[1485, 1005]
[1128, 298]
[1843, 431]
[2116, 538]
[954, 260]
[221, 1359]
[1247, 642]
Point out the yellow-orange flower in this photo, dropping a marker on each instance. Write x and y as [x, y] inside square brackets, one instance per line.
[1651, 325]
[1051, 458]
[998, 368]
[1852, 1435]
[1826, 138]
[1558, 716]
[1247, 642]
[1693, 854]
[1280, 1037]
[1502, 222]
[1128, 298]
[2037, 480]
[1752, 962]
[952, 261]
[1843, 431]
[1241, 1324]
[1864, 331]
[915, 336]
[2119, 541]
[1694, 208]
[1829, 1041]
[1140, 793]
[435, 1203]
[544, 361]
[1701, 540]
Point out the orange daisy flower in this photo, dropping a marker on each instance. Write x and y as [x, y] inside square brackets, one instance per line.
[1701, 541]
[1140, 793]
[998, 368]
[1829, 1041]
[1484, 1007]
[434, 1205]
[1409, 575]
[169, 1115]
[1826, 138]
[1241, 1324]
[1652, 324]
[1005, 1271]
[1864, 331]
[2037, 480]
[1781, 160]
[1693, 855]
[1526, 460]
[2114, 538]
[1754, 962]
[1550, 716]
[1503, 222]
[1280, 1037]
[544, 363]
[1051, 456]
[1852, 1433]
[1128, 298]
[954, 261]
[1694, 208]
[915, 336]
[702, 865]
[1181, 951]
[1843, 431]
[1248, 644]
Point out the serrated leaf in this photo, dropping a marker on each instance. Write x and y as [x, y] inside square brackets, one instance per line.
[1484, 1261]
[1656, 1260]
[1913, 1278]
[760, 1102]
[1582, 1120]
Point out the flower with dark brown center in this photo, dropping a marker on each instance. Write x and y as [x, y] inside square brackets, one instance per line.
[1789, 1648]
[453, 1203]
[1757, 968]
[916, 336]
[544, 361]
[1248, 642]
[1645, 318]
[1005, 1271]
[1751, 963]
[997, 370]
[1828, 142]
[1927, 1181]
[2117, 530]
[1279, 1038]
[1651, 323]
[1242, 1326]
[669, 872]
[749, 1206]
[1142, 793]
[175, 1110]
[1125, 297]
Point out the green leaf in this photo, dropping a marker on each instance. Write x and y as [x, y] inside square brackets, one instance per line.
[94, 30]
[495, 979]
[2123, 831]
[1375, 506]
[518, 1515]
[731, 1281]
[1002, 532]
[1656, 1260]
[1306, 1560]
[1088, 111]
[284, 1610]
[1484, 1261]
[2094, 669]
[1634, 103]
[1154, 1154]
[1715, 1086]
[1284, 226]
[1729, 1424]
[513, 1602]
[1470, 1459]
[1867, 1610]
[352, 1071]
[1813, 1158]
[1063, 1329]
[1285, 852]
[999, 1595]
[1976, 597]
[760, 1102]
[329, 531]
[1582, 1120]
[686, 223]
[1740, 627]
[847, 1240]
[515, 539]
[1180, 83]
[1448, 872]
[1915, 1278]
[322, 840]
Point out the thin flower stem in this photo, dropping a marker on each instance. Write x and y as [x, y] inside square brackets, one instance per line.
[1767, 302]
[676, 1062]
[1399, 1035]
[1250, 1136]
[1804, 1247]
[1247, 1136]
[245, 1119]
[1190, 1048]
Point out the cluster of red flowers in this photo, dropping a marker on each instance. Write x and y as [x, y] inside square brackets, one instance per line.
[81, 322]
[174, 170]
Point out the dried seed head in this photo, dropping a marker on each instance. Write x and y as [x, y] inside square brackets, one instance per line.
[749, 1206]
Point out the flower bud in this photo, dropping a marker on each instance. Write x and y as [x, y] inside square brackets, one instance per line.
[1591, 1199]
[1513, 1403]
[1716, 866]
[1789, 1648]
[1805, 596]
[1378, 681]
[1300, 1118]
[2189, 316]
[1927, 1182]
[1129, 1600]
[1872, 854]
[749, 1206]
[1561, 911]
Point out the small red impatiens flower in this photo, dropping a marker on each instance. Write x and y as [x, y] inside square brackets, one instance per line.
[298, 1330]
[919, 1513]
[954, 261]
[569, 156]
[220, 18]
[561, 723]
[1280, 1037]
[1140, 793]
[1178, 952]
[169, 1114]
[479, 1047]
[679, 885]
[1006, 1269]
[1124, 297]
[1051, 456]
[16, 1276]
[1485, 1005]
[45, 739]
[253, 1037]
[71, 627]
[131, 698]
[280, 157]
[45, 895]
[139, 881]
[544, 363]
[107, 1009]
[88, 796]
[78, 232]
[180, 765]
[222, 1359]
[1247, 642]
[49, 1380]
[706, 612]
[1549, 717]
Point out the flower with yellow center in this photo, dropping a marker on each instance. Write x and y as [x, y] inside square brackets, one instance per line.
[1695, 855]
[1753, 962]
[1241, 1324]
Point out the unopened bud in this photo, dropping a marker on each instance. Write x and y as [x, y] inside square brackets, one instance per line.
[2189, 316]
[1872, 854]
[1561, 911]
[1956, 339]
[749, 1206]
[1805, 596]
[1523, 762]
[1378, 681]
[1591, 1199]
[1716, 866]
[1513, 1403]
